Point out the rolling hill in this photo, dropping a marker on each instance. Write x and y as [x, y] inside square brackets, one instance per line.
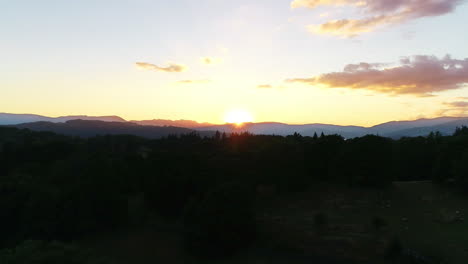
[90, 128]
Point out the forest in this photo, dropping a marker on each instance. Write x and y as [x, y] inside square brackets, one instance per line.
[56, 192]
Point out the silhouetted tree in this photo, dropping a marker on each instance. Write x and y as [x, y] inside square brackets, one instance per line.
[315, 137]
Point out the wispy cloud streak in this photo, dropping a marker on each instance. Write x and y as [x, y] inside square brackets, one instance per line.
[171, 68]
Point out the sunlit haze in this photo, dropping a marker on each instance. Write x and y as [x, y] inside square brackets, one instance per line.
[238, 117]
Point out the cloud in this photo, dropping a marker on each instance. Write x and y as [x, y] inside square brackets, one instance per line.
[210, 60]
[456, 108]
[171, 68]
[315, 3]
[417, 75]
[325, 14]
[193, 81]
[351, 27]
[270, 86]
[457, 104]
[376, 13]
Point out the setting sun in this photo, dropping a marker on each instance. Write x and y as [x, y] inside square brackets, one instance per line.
[238, 117]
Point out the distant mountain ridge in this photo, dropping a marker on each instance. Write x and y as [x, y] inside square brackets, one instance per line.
[155, 128]
[91, 128]
[394, 126]
[271, 128]
[445, 129]
[15, 119]
[394, 129]
[176, 123]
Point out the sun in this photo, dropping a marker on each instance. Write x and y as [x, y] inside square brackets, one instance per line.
[238, 117]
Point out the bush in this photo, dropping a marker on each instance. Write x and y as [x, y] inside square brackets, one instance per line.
[220, 223]
[40, 252]
[378, 223]
[394, 250]
[320, 220]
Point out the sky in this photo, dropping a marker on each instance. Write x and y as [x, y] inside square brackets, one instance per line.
[345, 62]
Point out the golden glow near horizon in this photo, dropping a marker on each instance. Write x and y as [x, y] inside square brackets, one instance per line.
[226, 55]
[238, 117]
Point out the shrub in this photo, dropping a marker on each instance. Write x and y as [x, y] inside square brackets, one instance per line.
[220, 223]
[320, 221]
[378, 223]
[394, 250]
[40, 252]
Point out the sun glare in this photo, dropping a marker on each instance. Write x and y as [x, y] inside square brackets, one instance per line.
[238, 117]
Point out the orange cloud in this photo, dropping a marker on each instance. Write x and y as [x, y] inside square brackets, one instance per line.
[457, 108]
[353, 27]
[417, 75]
[264, 86]
[171, 68]
[210, 60]
[377, 13]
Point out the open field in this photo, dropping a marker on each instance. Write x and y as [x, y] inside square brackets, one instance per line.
[427, 219]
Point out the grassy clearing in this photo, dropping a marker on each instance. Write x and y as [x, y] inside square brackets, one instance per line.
[428, 219]
[435, 223]
[328, 224]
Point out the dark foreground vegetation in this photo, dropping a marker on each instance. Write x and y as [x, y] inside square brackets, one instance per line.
[232, 199]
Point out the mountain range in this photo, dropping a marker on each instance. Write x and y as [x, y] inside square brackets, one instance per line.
[394, 129]
[98, 125]
[176, 123]
[91, 128]
[15, 119]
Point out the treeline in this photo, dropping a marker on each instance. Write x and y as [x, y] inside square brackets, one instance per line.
[55, 187]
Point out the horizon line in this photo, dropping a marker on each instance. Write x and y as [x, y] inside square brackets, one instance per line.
[234, 124]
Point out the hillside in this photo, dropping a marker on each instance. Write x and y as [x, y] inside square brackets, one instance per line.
[89, 128]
